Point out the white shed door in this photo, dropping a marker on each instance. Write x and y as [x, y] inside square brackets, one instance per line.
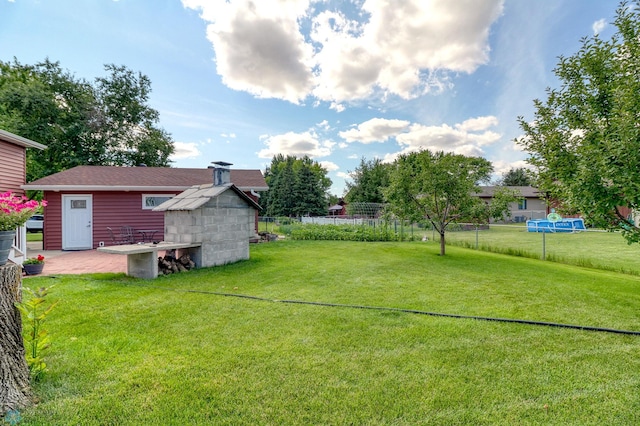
[77, 228]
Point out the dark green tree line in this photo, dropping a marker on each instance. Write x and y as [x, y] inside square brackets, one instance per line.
[297, 187]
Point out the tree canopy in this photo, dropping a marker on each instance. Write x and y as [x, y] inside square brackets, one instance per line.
[516, 177]
[585, 138]
[108, 122]
[369, 180]
[297, 187]
[438, 187]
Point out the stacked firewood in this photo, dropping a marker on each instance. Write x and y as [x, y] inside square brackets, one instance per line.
[169, 264]
[266, 237]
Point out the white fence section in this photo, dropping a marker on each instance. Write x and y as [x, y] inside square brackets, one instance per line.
[338, 220]
[18, 252]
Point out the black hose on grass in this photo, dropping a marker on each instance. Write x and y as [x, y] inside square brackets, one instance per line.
[411, 311]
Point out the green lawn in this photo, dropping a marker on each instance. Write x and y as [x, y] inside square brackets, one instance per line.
[172, 351]
[34, 236]
[593, 248]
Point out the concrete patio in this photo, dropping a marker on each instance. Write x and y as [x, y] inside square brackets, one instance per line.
[76, 262]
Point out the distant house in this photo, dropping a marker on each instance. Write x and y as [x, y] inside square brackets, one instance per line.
[13, 174]
[86, 200]
[531, 206]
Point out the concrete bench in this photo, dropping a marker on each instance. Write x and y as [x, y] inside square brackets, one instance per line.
[142, 259]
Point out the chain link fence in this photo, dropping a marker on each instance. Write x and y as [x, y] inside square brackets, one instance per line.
[591, 248]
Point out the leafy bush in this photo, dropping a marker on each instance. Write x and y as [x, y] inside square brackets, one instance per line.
[349, 233]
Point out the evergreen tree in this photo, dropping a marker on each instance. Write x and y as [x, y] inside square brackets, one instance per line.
[516, 177]
[297, 186]
[309, 195]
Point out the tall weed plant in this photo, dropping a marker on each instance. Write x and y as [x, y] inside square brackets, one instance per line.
[36, 337]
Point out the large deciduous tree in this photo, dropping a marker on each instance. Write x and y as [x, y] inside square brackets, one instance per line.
[368, 182]
[439, 186]
[128, 123]
[584, 140]
[105, 123]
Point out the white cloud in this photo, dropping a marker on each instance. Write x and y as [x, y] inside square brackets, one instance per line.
[323, 125]
[258, 46]
[374, 130]
[329, 166]
[382, 48]
[501, 167]
[598, 26]
[185, 150]
[446, 138]
[466, 138]
[477, 124]
[337, 107]
[297, 144]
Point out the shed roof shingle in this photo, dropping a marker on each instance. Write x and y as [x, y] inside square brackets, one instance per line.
[525, 191]
[109, 178]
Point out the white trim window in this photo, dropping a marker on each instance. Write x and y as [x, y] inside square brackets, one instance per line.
[522, 204]
[149, 201]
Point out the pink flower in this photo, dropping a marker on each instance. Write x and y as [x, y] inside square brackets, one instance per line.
[15, 210]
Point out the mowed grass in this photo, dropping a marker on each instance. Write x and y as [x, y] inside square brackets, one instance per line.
[34, 236]
[182, 350]
[592, 248]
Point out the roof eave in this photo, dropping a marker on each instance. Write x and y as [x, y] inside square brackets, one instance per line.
[58, 188]
[253, 188]
[19, 140]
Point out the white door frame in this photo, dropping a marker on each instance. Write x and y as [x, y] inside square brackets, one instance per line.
[77, 233]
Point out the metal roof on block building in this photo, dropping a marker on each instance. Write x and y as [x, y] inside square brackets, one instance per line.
[197, 196]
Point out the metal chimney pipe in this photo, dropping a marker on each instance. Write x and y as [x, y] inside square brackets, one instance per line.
[221, 173]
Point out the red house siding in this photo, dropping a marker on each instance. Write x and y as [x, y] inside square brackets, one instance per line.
[110, 209]
[52, 230]
[12, 167]
[257, 200]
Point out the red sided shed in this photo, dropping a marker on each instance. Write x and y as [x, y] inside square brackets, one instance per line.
[86, 200]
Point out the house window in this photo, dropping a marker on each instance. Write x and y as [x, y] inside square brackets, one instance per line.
[150, 201]
[522, 204]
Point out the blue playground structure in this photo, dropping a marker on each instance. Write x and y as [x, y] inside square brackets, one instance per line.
[562, 225]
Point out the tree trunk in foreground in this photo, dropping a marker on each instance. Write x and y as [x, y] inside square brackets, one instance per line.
[15, 391]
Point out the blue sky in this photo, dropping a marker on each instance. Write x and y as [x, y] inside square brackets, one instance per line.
[241, 81]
